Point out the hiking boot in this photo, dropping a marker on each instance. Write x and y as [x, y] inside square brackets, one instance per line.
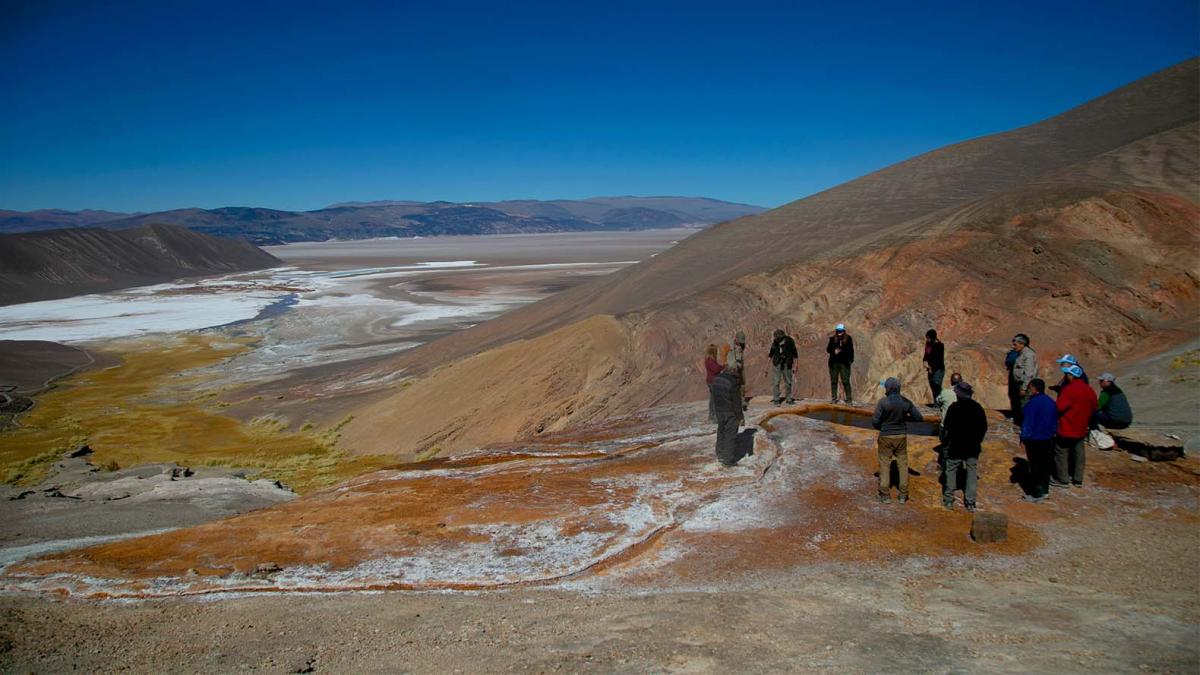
[791, 401]
[903, 499]
[1033, 500]
[971, 508]
[949, 505]
[776, 401]
[833, 400]
[1077, 484]
[1058, 483]
[885, 499]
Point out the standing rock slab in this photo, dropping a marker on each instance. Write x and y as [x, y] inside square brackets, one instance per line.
[988, 527]
[1155, 446]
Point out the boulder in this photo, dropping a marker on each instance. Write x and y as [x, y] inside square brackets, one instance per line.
[1153, 445]
[988, 527]
[78, 452]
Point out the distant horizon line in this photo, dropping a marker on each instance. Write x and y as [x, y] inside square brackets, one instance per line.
[384, 201]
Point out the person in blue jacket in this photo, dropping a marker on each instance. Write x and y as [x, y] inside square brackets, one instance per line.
[1038, 427]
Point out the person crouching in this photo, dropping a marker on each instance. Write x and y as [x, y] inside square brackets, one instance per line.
[892, 415]
[726, 396]
[965, 426]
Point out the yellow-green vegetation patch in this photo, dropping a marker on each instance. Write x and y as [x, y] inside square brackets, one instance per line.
[153, 408]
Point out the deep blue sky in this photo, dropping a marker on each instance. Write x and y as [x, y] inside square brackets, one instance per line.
[147, 106]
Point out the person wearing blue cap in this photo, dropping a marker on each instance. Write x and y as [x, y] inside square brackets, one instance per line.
[1076, 403]
[1066, 361]
[841, 357]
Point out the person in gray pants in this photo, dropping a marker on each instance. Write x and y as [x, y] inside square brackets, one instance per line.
[965, 426]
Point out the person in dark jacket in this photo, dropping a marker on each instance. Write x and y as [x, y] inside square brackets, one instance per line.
[892, 415]
[935, 363]
[1038, 428]
[841, 357]
[783, 362]
[966, 425]
[726, 391]
[1115, 411]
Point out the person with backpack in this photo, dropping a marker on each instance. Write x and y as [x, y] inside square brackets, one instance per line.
[841, 357]
[965, 425]
[783, 362]
[934, 362]
[892, 415]
[1076, 403]
[738, 354]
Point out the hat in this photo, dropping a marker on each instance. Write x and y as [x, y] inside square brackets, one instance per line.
[740, 336]
[1067, 358]
[841, 327]
[963, 389]
[890, 385]
[1073, 371]
[1108, 377]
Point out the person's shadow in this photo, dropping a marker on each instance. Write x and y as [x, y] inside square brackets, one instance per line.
[745, 442]
[1021, 475]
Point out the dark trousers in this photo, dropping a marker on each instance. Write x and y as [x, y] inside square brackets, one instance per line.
[1015, 400]
[935, 381]
[1069, 459]
[839, 371]
[1040, 455]
[971, 464]
[727, 432]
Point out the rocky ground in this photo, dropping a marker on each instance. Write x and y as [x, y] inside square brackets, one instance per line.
[660, 562]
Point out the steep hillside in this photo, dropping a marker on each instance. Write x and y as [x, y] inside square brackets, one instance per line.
[62, 263]
[1080, 230]
[360, 220]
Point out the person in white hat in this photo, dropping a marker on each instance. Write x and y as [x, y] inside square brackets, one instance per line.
[841, 357]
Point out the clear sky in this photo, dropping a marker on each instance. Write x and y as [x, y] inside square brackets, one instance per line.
[165, 104]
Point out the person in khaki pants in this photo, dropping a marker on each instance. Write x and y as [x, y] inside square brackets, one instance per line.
[892, 415]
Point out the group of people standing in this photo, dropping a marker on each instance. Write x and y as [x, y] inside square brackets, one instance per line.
[1053, 431]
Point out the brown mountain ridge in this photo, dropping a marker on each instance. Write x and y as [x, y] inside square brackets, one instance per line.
[1080, 230]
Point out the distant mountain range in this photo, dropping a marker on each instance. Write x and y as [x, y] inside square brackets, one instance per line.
[362, 220]
[67, 262]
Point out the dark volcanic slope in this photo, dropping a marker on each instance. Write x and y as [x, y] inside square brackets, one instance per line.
[62, 263]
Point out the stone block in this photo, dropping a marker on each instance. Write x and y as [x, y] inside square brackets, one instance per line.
[988, 527]
[1155, 446]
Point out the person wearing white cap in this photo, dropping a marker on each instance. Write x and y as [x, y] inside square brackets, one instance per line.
[841, 357]
[1115, 411]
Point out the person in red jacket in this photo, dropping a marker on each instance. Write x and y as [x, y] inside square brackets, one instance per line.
[712, 368]
[1076, 403]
